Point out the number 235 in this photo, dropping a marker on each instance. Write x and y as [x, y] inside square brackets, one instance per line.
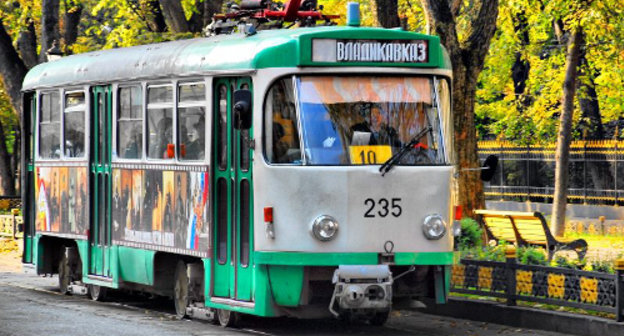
[385, 207]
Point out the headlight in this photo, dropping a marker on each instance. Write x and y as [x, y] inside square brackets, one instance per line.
[434, 227]
[324, 228]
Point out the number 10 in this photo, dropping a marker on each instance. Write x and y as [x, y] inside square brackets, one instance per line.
[369, 158]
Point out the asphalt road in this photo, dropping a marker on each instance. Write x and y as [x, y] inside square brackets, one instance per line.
[31, 305]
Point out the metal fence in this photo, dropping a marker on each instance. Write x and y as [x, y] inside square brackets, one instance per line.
[528, 172]
[550, 285]
[11, 226]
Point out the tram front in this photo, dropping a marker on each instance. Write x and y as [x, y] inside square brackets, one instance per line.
[357, 180]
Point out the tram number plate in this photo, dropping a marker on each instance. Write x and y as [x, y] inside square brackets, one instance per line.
[362, 155]
[383, 207]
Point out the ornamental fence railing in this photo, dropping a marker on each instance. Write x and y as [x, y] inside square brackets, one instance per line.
[11, 225]
[558, 286]
[528, 172]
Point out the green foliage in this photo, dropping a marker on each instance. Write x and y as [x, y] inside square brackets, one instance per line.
[489, 253]
[497, 105]
[531, 256]
[471, 234]
[604, 266]
[561, 261]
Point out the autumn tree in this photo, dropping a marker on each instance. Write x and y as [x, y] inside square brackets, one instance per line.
[467, 57]
[562, 156]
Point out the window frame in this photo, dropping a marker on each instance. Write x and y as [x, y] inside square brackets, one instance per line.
[116, 119]
[269, 87]
[86, 119]
[38, 126]
[207, 112]
[173, 106]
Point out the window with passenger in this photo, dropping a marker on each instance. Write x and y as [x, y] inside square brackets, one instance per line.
[281, 135]
[130, 123]
[50, 125]
[355, 120]
[160, 122]
[192, 121]
[74, 124]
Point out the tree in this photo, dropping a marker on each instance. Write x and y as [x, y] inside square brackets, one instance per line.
[12, 70]
[387, 13]
[467, 57]
[562, 156]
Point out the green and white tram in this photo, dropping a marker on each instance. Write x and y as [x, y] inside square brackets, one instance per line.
[302, 172]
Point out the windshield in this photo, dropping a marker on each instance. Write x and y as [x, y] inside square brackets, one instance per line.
[353, 120]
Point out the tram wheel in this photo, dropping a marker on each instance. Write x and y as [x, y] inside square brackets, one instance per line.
[181, 290]
[227, 318]
[379, 318]
[97, 293]
[64, 273]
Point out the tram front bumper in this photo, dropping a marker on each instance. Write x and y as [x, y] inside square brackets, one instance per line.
[361, 289]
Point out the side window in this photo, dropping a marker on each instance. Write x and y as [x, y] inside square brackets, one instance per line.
[74, 124]
[130, 123]
[160, 122]
[49, 126]
[281, 135]
[192, 121]
[222, 128]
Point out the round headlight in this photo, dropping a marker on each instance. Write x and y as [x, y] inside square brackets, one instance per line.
[434, 227]
[324, 228]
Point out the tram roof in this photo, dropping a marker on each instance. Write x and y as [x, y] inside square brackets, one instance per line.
[235, 52]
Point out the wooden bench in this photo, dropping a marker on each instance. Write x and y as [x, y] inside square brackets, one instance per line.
[526, 229]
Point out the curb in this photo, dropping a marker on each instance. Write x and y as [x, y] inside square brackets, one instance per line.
[525, 317]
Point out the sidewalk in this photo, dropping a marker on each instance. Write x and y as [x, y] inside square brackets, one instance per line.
[525, 317]
[10, 257]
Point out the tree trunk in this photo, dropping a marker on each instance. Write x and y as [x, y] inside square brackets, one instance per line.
[174, 16]
[73, 11]
[387, 13]
[12, 68]
[210, 9]
[49, 27]
[153, 16]
[27, 45]
[12, 71]
[196, 22]
[521, 67]
[467, 59]
[562, 156]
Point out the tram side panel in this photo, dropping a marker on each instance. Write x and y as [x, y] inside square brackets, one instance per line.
[160, 210]
[61, 212]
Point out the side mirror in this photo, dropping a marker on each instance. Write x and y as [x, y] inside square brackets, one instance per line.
[489, 168]
[242, 109]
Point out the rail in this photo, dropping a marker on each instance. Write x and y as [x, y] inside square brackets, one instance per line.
[12, 225]
[527, 172]
[541, 284]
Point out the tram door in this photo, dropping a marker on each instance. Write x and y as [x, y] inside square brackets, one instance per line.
[28, 179]
[232, 196]
[100, 182]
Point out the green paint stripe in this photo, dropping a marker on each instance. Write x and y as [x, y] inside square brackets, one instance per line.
[332, 259]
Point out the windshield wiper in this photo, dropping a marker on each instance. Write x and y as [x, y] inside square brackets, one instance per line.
[398, 155]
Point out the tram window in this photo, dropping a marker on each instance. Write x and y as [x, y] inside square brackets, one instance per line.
[74, 123]
[130, 123]
[244, 152]
[222, 128]
[192, 121]
[280, 126]
[160, 122]
[49, 126]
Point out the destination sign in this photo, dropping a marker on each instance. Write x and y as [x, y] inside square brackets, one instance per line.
[381, 51]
